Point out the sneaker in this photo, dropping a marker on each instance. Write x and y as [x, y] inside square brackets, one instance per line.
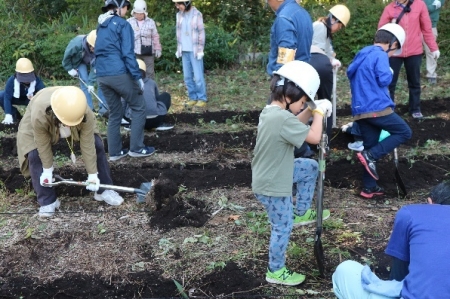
[111, 197]
[356, 146]
[310, 217]
[127, 128]
[122, 154]
[124, 122]
[284, 277]
[143, 152]
[191, 103]
[432, 80]
[417, 115]
[200, 104]
[371, 192]
[49, 210]
[345, 127]
[164, 127]
[369, 163]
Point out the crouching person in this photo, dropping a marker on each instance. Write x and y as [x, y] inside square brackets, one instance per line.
[55, 113]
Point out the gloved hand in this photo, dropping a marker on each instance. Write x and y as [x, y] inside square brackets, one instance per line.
[335, 63]
[200, 55]
[94, 182]
[90, 88]
[141, 84]
[392, 71]
[437, 4]
[8, 120]
[46, 176]
[73, 73]
[323, 107]
[436, 54]
[176, 54]
[157, 53]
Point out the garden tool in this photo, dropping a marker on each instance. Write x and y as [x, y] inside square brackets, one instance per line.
[98, 98]
[335, 69]
[398, 178]
[141, 192]
[318, 249]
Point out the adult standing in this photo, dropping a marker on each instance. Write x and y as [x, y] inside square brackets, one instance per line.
[190, 33]
[146, 37]
[119, 77]
[413, 17]
[434, 9]
[19, 90]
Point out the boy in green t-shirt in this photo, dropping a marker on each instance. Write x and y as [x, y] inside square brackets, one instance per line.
[279, 131]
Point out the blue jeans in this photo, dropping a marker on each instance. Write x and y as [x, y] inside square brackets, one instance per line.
[84, 75]
[305, 175]
[22, 101]
[193, 77]
[370, 129]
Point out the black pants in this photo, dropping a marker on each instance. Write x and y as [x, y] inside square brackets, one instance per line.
[152, 123]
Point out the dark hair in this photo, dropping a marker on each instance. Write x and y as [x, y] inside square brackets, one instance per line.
[440, 194]
[56, 121]
[385, 37]
[288, 89]
[187, 5]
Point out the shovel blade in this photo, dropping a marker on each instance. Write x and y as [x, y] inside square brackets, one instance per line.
[145, 187]
[399, 180]
[318, 253]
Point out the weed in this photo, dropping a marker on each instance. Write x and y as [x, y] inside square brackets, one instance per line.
[295, 251]
[333, 223]
[214, 265]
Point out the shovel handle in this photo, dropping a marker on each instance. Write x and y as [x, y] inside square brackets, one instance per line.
[98, 98]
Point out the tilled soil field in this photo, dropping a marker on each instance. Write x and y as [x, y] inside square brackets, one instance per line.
[201, 233]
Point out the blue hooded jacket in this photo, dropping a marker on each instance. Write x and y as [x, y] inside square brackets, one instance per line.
[114, 48]
[370, 76]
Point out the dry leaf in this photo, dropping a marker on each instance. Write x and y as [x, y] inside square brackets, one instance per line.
[233, 217]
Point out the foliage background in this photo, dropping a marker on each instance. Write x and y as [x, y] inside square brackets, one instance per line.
[41, 29]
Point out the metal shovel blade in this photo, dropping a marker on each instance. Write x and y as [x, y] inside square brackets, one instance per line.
[398, 178]
[318, 253]
[146, 187]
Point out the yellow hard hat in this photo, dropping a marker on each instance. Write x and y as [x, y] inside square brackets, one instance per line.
[69, 105]
[142, 65]
[24, 65]
[92, 36]
[342, 13]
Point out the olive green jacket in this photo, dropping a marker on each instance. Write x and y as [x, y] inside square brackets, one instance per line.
[37, 130]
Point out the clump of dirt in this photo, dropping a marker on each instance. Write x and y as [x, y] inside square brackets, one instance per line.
[163, 189]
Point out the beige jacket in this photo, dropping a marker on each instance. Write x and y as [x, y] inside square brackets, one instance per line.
[37, 130]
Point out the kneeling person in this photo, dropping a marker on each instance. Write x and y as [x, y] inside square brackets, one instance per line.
[55, 113]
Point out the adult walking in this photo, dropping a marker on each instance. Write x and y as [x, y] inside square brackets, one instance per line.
[413, 17]
[146, 37]
[190, 34]
[434, 9]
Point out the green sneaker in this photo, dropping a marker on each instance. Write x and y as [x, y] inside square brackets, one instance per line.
[310, 217]
[285, 277]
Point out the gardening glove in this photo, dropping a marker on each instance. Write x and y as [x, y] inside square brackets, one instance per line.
[200, 55]
[94, 182]
[324, 108]
[8, 120]
[436, 54]
[437, 4]
[158, 53]
[141, 85]
[176, 54]
[90, 88]
[312, 106]
[335, 63]
[46, 176]
[73, 73]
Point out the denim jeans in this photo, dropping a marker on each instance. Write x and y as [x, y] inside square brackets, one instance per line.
[22, 101]
[193, 77]
[305, 175]
[370, 129]
[84, 75]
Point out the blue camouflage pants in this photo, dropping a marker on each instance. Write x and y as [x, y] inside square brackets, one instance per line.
[305, 176]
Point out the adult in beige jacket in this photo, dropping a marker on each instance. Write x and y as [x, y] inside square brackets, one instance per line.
[55, 113]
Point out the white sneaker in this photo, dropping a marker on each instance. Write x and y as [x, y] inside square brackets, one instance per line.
[124, 122]
[49, 210]
[356, 146]
[111, 197]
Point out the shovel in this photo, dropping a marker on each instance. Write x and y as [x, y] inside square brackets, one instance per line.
[318, 249]
[398, 178]
[335, 69]
[141, 192]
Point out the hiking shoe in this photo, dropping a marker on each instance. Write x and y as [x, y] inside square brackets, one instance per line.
[111, 197]
[356, 146]
[371, 192]
[49, 210]
[284, 277]
[310, 217]
[122, 154]
[432, 80]
[200, 104]
[346, 127]
[164, 127]
[417, 115]
[369, 163]
[191, 103]
[143, 152]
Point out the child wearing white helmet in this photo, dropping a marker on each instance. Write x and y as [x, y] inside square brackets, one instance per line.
[372, 107]
[273, 167]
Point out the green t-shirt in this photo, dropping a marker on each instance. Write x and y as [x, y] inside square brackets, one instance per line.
[273, 158]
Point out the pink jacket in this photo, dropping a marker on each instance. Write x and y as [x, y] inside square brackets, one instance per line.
[417, 25]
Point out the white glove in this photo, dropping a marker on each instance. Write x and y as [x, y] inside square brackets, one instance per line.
[324, 107]
[437, 4]
[176, 54]
[90, 88]
[141, 84]
[8, 119]
[335, 63]
[73, 73]
[436, 54]
[157, 53]
[392, 71]
[94, 182]
[200, 55]
[46, 176]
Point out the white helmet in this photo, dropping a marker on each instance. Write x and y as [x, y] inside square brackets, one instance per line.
[301, 74]
[398, 32]
[140, 6]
